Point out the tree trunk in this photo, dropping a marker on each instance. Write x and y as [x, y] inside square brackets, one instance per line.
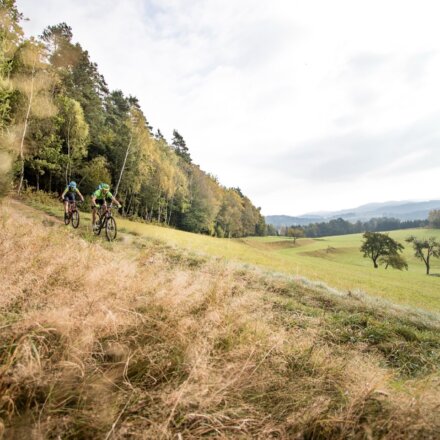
[129, 203]
[68, 167]
[123, 165]
[169, 215]
[38, 180]
[165, 213]
[26, 122]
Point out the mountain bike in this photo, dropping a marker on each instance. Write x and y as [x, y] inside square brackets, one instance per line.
[106, 221]
[72, 214]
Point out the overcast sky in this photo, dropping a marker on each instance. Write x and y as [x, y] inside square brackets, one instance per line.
[305, 105]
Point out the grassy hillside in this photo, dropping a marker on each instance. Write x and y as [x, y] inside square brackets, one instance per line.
[335, 261]
[144, 339]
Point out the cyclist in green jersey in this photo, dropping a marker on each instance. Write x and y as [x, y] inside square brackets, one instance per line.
[101, 196]
[68, 195]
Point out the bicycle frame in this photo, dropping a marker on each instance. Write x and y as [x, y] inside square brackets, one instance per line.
[72, 206]
[105, 210]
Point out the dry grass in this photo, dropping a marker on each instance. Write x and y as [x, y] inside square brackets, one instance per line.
[150, 342]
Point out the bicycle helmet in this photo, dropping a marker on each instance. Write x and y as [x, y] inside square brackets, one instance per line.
[105, 186]
[72, 185]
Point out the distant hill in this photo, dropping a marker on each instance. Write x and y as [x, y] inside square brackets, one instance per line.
[403, 210]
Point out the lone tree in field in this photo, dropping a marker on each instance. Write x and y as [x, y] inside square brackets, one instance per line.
[425, 249]
[295, 233]
[377, 245]
[396, 261]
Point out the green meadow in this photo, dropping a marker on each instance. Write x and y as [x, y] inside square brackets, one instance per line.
[336, 261]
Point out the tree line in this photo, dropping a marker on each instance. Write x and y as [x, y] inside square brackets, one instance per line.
[59, 121]
[342, 227]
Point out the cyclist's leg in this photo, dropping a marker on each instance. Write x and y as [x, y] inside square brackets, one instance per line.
[99, 203]
[73, 202]
[67, 198]
[93, 215]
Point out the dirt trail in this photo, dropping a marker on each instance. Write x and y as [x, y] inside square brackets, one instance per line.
[31, 212]
[50, 220]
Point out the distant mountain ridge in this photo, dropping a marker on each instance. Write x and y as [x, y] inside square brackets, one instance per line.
[403, 210]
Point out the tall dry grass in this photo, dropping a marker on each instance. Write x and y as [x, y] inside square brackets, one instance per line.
[141, 340]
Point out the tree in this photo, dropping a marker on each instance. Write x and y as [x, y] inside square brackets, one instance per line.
[79, 79]
[33, 82]
[271, 230]
[180, 147]
[45, 154]
[131, 122]
[10, 38]
[424, 249]
[74, 131]
[434, 218]
[377, 245]
[295, 233]
[204, 203]
[396, 261]
[93, 173]
[228, 220]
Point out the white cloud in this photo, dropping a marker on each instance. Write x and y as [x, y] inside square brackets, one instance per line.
[264, 91]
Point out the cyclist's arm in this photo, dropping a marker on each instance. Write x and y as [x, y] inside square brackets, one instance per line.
[115, 201]
[93, 200]
[64, 192]
[79, 193]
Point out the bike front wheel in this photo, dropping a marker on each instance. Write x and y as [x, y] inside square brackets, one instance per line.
[110, 229]
[75, 219]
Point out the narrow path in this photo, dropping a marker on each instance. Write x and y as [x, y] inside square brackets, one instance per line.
[51, 220]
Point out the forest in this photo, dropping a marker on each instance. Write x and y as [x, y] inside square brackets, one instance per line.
[59, 121]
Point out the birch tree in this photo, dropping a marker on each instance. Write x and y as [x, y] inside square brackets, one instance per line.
[75, 132]
[33, 82]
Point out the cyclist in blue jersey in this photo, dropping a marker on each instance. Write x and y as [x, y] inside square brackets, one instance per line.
[68, 195]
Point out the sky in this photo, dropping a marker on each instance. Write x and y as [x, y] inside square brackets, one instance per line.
[305, 105]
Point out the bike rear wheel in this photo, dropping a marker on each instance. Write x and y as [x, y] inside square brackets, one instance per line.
[75, 219]
[110, 229]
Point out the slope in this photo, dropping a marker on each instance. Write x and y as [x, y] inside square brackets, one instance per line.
[140, 339]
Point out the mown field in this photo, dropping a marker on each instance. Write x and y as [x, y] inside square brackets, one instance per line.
[335, 261]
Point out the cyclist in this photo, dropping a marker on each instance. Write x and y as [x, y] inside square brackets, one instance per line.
[68, 195]
[101, 196]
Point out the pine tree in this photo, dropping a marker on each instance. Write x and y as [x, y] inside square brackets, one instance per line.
[180, 147]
